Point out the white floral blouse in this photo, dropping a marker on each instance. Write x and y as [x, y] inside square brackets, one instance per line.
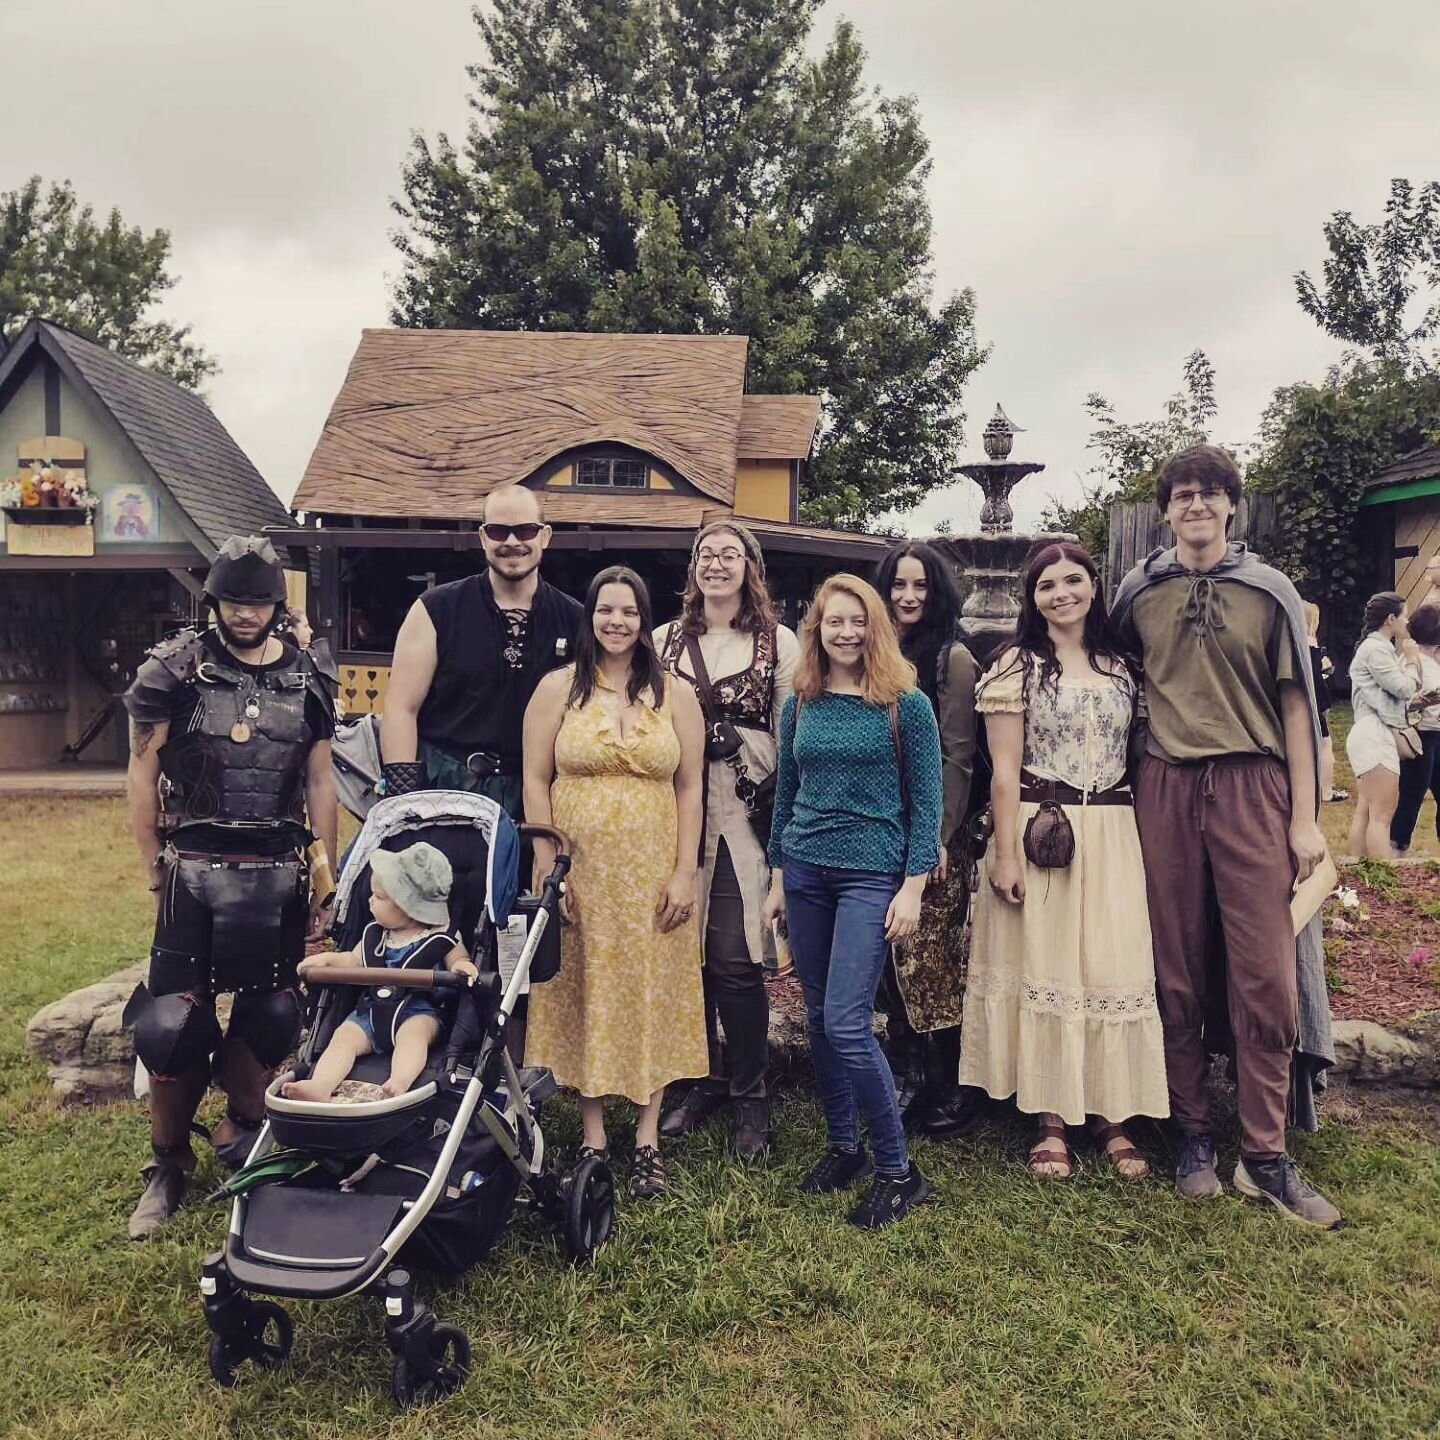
[1077, 733]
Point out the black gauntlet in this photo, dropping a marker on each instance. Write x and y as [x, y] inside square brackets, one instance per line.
[403, 776]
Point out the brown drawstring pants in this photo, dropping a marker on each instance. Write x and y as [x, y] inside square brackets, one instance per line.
[1215, 835]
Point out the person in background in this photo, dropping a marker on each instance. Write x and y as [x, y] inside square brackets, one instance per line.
[1227, 799]
[1061, 1012]
[1384, 678]
[1432, 581]
[728, 633]
[1423, 773]
[1321, 669]
[929, 969]
[855, 837]
[468, 658]
[614, 756]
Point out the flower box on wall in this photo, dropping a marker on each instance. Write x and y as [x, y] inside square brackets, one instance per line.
[46, 515]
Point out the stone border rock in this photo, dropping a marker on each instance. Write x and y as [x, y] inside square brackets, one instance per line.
[1372, 1054]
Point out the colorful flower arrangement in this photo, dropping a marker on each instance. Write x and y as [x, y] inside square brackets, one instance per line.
[47, 487]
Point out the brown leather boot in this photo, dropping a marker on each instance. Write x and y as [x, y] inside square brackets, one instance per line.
[164, 1189]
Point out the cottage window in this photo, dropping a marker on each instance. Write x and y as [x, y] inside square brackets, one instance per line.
[612, 474]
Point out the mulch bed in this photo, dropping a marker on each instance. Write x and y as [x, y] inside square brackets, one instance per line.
[1385, 966]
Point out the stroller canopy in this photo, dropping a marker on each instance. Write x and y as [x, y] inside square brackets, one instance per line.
[427, 810]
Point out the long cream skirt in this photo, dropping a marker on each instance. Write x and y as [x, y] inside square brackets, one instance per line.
[1060, 1011]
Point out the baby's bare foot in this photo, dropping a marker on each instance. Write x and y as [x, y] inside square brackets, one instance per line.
[392, 1088]
[306, 1090]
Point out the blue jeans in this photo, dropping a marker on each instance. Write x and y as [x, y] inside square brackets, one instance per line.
[837, 936]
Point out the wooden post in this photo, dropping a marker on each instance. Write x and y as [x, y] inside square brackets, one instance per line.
[327, 610]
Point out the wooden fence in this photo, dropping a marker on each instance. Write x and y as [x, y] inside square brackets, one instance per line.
[1136, 529]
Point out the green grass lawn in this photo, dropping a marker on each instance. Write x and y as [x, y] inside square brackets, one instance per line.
[732, 1307]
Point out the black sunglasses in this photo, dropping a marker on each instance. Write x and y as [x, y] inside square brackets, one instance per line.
[524, 533]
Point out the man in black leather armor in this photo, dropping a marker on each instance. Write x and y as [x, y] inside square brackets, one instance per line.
[229, 756]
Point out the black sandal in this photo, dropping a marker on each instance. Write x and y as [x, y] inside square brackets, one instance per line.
[647, 1176]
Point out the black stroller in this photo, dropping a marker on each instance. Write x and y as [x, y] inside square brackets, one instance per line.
[336, 1197]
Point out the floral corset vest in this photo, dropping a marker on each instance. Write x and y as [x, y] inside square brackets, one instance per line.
[744, 698]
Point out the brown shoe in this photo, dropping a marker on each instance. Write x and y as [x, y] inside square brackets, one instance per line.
[164, 1189]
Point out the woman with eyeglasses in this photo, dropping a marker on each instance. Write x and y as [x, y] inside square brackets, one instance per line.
[614, 757]
[729, 646]
[929, 969]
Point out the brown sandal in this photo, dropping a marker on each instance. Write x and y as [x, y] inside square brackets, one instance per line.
[1122, 1154]
[1039, 1155]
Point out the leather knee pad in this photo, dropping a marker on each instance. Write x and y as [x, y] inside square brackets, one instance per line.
[174, 1034]
[268, 1022]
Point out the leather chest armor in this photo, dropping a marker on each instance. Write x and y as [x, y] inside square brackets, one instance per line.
[241, 758]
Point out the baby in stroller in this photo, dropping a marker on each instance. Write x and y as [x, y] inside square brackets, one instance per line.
[409, 898]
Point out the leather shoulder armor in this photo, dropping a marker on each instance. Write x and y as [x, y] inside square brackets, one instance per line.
[166, 668]
[322, 676]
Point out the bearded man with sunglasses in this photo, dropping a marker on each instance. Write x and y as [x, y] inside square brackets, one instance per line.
[468, 658]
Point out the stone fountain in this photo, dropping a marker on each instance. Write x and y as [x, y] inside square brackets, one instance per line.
[989, 564]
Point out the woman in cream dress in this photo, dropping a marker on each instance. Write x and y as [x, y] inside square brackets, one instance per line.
[1060, 1010]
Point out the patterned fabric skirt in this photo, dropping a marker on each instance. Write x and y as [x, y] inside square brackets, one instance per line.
[1060, 1010]
[931, 966]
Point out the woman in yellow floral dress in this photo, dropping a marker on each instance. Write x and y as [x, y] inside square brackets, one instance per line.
[614, 757]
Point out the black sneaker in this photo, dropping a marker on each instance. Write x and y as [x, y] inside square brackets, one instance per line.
[1279, 1183]
[839, 1170]
[1195, 1177]
[891, 1199]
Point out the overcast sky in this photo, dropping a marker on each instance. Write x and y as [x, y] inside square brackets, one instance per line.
[1120, 181]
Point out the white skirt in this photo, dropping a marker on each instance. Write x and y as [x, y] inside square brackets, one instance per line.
[1060, 1007]
[1371, 742]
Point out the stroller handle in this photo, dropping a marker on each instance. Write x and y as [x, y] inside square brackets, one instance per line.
[558, 838]
[377, 975]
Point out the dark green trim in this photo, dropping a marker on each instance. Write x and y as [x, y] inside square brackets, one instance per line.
[1410, 490]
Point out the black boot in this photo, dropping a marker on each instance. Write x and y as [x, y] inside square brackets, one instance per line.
[750, 1138]
[701, 1101]
[948, 1109]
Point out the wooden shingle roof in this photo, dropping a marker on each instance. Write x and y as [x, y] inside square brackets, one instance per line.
[175, 432]
[1419, 464]
[428, 422]
[778, 427]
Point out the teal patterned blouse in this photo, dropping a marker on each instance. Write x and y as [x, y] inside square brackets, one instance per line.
[837, 795]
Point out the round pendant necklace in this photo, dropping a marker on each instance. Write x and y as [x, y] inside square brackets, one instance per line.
[240, 731]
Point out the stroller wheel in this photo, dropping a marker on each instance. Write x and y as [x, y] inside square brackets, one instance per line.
[267, 1338]
[449, 1353]
[589, 1209]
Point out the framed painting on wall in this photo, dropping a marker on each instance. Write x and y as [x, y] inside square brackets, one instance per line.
[129, 513]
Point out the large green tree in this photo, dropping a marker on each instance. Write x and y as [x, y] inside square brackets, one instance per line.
[1382, 280]
[101, 279]
[684, 166]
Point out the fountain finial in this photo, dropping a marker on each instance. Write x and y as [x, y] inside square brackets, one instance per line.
[999, 435]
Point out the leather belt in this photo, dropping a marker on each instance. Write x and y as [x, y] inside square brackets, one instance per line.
[1037, 791]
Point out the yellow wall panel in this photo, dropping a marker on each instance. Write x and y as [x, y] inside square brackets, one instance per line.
[762, 489]
[1417, 522]
[362, 689]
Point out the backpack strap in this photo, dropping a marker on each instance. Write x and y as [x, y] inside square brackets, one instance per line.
[893, 711]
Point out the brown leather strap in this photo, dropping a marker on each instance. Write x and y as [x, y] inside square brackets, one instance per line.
[1037, 791]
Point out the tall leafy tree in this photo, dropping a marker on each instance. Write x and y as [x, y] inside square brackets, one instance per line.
[683, 166]
[101, 279]
[1382, 281]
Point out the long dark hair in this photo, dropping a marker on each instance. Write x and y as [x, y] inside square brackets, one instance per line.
[1032, 634]
[940, 619]
[646, 672]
